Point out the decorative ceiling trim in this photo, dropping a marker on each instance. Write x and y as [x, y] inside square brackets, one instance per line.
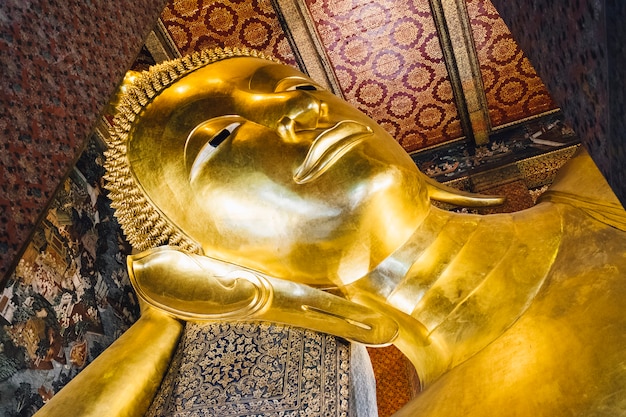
[524, 120]
[540, 170]
[306, 44]
[536, 172]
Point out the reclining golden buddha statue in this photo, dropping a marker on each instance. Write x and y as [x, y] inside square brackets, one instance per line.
[257, 195]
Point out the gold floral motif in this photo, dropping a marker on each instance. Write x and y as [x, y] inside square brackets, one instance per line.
[243, 369]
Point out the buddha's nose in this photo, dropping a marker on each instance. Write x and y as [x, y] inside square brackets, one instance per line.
[304, 113]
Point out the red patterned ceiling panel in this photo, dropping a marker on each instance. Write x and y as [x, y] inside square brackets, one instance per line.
[195, 25]
[387, 58]
[513, 89]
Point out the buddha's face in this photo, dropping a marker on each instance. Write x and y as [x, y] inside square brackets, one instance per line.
[264, 168]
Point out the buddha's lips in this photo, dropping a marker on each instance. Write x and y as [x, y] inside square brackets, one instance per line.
[328, 147]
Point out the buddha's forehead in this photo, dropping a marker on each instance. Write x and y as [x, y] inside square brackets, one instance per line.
[243, 73]
[270, 77]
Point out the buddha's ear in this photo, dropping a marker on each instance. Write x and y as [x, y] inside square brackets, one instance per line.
[445, 194]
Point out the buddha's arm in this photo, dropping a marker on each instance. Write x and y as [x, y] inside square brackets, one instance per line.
[122, 381]
[194, 287]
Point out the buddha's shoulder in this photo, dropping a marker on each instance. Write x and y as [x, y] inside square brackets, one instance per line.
[562, 357]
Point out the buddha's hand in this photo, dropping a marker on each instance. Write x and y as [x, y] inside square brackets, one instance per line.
[194, 287]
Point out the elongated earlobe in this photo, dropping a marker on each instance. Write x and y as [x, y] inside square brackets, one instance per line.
[445, 194]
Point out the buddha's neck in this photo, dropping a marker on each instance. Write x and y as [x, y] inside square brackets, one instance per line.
[467, 278]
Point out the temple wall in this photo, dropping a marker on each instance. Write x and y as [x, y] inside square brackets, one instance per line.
[577, 47]
[60, 64]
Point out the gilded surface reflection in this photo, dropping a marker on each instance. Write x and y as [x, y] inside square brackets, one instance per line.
[258, 195]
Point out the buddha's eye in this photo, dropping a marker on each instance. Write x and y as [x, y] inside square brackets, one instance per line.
[221, 136]
[204, 140]
[304, 87]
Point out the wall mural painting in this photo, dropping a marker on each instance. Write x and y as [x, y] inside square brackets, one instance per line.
[389, 63]
[69, 297]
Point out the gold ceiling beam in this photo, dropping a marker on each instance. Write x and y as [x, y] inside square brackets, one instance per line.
[457, 42]
[160, 44]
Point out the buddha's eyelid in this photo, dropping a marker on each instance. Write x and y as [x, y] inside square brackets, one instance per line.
[296, 83]
[222, 130]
